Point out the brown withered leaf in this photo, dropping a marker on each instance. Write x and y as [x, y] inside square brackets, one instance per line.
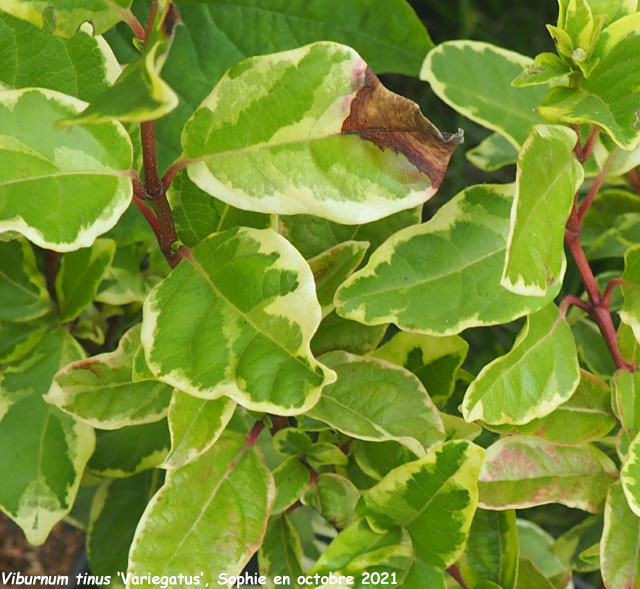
[394, 122]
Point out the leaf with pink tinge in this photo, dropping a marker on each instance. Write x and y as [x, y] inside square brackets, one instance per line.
[523, 472]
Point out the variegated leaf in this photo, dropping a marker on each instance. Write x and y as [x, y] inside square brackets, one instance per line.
[55, 166]
[236, 319]
[331, 140]
[522, 472]
[539, 373]
[376, 400]
[44, 450]
[434, 498]
[170, 537]
[99, 390]
[454, 262]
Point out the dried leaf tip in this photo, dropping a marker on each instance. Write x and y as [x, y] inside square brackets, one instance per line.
[394, 122]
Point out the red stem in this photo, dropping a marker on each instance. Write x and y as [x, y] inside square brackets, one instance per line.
[134, 23]
[595, 187]
[455, 573]
[571, 300]
[150, 161]
[608, 291]
[634, 179]
[170, 174]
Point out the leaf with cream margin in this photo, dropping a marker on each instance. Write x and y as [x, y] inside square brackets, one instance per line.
[334, 496]
[585, 417]
[332, 141]
[492, 153]
[84, 64]
[547, 178]
[19, 338]
[454, 261]
[281, 553]
[68, 15]
[473, 78]
[434, 360]
[81, 272]
[522, 472]
[39, 160]
[139, 94]
[375, 400]
[569, 547]
[236, 319]
[630, 312]
[291, 478]
[630, 475]
[23, 291]
[536, 376]
[619, 549]
[627, 385]
[195, 425]
[338, 334]
[331, 268]
[45, 450]
[230, 511]
[100, 392]
[434, 498]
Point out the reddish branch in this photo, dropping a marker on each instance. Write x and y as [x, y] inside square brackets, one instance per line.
[598, 304]
[455, 573]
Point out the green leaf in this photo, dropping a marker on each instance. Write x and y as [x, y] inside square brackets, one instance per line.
[570, 546]
[331, 268]
[99, 390]
[195, 425]
[601, 218]
[454, 261]
[325, 454]
[434, 498]
[623, 233]
[434, 360]
[197, 214]
[23, 292]
[18, 339]
[545, 68]
[627, 385]
[45, 450]
[336, 333]
[291, 441]
[536, 545]
[522, 472]
[608, 97]
[547, 178]
[630, 312]
[355, 541]
[116, 508]
[492, 153]
[319, 149]
[127, 451]
[457, 428]
[291, 478]
[139, 94]
[125, 281]
[376, 459]
[84, 65]
[48, 164]
[585, 417]
[281, 553]
[80, 274]
[473, 78]
[539, 373]
[312, 236]
[375, 400]
[530, 576]
[492, 551]
[619, 550]
[68, 15]
[335, 497]
[207, 337]
[169, 539]
[592, 349]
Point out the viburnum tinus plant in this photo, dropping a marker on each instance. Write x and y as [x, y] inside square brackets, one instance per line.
[226, 331]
